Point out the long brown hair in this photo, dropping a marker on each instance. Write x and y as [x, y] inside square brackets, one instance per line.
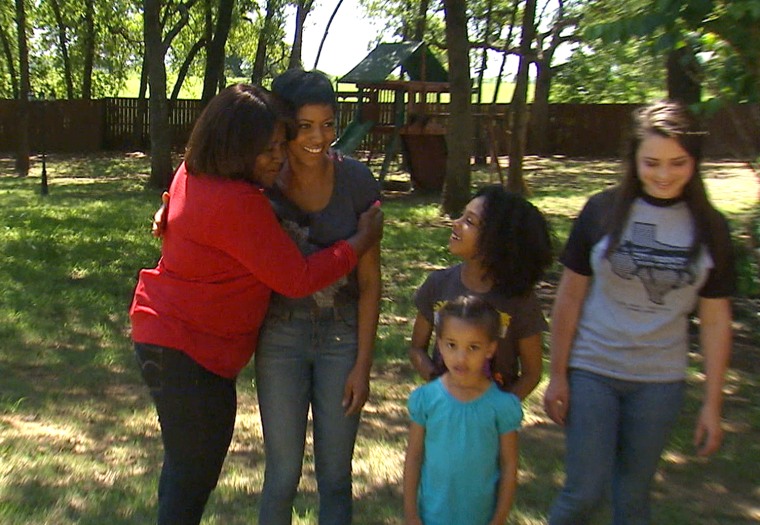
[670, 119]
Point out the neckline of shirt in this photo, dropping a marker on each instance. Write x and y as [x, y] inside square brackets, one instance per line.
[662, 203]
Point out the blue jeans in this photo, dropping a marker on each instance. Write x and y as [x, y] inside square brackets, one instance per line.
[302, 361]
[615, 433]
[196, 410]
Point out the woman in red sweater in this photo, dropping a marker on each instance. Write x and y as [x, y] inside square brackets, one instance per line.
[196, 316]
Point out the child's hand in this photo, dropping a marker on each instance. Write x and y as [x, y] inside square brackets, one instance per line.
[159, 218]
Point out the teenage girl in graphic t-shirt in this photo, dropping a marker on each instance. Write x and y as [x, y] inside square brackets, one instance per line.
[640, 258]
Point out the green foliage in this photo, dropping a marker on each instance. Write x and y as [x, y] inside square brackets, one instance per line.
[609, 73]
[117, 46]
[244, 40]
[725, 32]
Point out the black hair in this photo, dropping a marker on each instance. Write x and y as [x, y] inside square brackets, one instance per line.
[298, 88]
[473, 310]
[670, 119]
[515, 242]
[234, 128]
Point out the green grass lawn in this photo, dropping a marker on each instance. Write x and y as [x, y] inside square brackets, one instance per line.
[78, 435]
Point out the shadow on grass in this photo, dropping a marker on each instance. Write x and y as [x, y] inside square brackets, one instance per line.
[78, 434]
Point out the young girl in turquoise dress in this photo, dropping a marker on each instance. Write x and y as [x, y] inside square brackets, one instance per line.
[505, 247]
[461, 460]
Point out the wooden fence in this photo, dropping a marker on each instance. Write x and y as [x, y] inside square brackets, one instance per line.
[577, 130]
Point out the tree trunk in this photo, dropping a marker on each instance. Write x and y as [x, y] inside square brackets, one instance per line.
[142, 105]
[184, 68]
[505, 54]
[5, 40]
[539, 114]
[158, 107]
[420, 24]
[265, 35]
[684, 76]
[327, 30]
[64, 48]
[89, 49]
[215, 51]
[519, 105]
[304, 6]
[22, 144]
[480, 154]
[456, 189]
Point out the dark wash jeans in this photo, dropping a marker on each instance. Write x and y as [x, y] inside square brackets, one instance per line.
[196, 410]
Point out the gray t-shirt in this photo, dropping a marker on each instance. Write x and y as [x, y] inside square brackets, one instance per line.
[634, 321]
[354, 191]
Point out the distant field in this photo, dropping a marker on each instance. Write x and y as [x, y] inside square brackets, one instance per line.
[193, 86]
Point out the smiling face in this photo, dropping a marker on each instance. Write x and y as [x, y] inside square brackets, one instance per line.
[269, 162]
[664, 167]
[465, 347]
[465, 231]
[315, 124]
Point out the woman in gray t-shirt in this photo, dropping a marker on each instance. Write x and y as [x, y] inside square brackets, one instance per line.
[640, 258]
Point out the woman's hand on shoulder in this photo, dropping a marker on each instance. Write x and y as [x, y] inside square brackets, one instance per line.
[159, 218]
[335, 154]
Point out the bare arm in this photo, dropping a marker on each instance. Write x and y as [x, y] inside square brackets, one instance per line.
[531, 365]
[412, 465]
[418, 352]
[356, 390]
[508, 477]
[571, 293]
[715, 340]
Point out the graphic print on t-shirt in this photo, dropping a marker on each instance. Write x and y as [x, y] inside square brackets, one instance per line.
[300, 235]
[660, 267]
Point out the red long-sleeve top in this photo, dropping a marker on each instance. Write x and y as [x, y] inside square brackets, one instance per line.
[223, 253]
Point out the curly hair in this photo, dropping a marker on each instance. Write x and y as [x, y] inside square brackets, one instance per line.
[515, 242]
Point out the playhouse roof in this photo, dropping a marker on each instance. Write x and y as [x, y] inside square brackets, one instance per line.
[382, 60]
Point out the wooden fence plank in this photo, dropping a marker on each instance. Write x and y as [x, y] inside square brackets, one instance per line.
[579, 130]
